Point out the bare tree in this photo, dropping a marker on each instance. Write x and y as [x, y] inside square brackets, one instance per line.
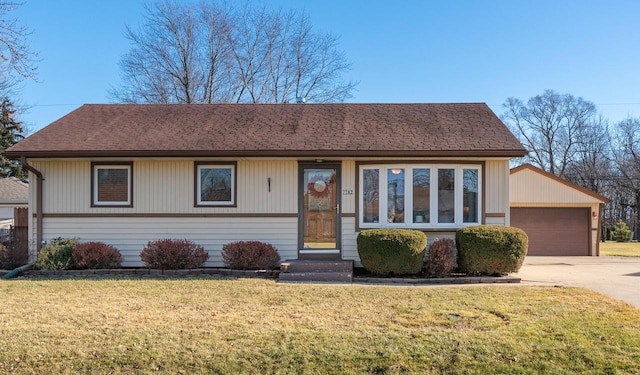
[213, 52]
[17, 61]
[592, 164]
[626, 150]
[550, 127]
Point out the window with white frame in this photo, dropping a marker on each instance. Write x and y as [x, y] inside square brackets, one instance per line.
[215, 184]
[112, 184]
[419, 195]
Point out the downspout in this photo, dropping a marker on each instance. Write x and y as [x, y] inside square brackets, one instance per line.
[25, 164]
[39, 195]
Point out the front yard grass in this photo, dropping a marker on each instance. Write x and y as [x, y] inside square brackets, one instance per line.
[621, 249]
[202, 325]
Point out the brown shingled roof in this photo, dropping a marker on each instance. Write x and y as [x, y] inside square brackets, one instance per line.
[273, 130]
[13, 190]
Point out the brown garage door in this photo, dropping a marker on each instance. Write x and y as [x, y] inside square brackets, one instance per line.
[554, 231]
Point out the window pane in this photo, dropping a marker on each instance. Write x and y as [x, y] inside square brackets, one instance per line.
[370, 195]
[215, 184]
[470, 197]
[446, 196]
[421, 195]
[395, 195]
[113, 184]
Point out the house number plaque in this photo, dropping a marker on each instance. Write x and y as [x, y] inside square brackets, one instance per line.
[347, 192]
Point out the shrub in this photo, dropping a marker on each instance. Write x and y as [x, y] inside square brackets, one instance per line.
[392, 251]
[491, 250]
[95, 255]
[621, 232]
[441, 259]
[250, 255]
[56, 254]
[5, 258]
[170, 254]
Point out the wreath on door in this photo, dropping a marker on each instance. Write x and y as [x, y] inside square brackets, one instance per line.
[319, 186]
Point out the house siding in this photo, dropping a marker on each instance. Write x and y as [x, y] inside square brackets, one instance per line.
[130, 235]
[529, 188]
[497, 192]
[348, 187]
[167, 187]
[163, 205]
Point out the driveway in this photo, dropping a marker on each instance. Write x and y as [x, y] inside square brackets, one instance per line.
[617, 277]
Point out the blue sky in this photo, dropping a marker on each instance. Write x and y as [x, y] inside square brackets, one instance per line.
[402, 51]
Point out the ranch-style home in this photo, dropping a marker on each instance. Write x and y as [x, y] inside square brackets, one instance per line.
[303, 177]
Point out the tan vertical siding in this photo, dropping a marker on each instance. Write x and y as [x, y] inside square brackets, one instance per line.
[529, 187]
[253, 186]
[348, 187]
[495, 220]
[595, 234]
[497, 189]
[167, 187]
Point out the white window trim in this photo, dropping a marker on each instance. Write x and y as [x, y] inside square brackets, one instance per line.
[96, 168]
[408, 199]
[199, 201]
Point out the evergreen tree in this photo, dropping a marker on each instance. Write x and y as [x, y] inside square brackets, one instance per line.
[10, 133]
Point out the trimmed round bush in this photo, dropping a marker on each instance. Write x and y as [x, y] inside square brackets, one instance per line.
[250, 255]
[491, 249]
[56, 254]
[441, 258]
[96, 255]
[170, 254]
[392, 251]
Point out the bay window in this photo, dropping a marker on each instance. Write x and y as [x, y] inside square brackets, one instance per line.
[370, 197]
[419, 195]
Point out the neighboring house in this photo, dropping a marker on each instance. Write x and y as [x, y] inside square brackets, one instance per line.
[14, 196]
[303, 177]
[560, 218]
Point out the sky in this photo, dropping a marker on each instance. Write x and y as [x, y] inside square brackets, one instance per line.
[402, 51]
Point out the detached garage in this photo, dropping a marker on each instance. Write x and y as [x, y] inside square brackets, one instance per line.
[559, 217]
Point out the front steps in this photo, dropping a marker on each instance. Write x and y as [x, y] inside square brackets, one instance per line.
[316, 271]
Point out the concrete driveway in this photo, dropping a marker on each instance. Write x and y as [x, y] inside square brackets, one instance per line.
[618, 277]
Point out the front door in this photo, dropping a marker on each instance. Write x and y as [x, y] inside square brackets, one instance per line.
[319, 203]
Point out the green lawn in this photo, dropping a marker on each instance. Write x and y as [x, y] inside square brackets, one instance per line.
[623, 249]
[189, 326]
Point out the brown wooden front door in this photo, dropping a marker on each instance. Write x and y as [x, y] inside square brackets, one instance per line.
[319, 209]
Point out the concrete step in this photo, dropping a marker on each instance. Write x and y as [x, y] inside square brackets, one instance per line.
[317, 266]
[316, 277]
[326, 271]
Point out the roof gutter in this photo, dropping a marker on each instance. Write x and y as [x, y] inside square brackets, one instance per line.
[265, 153]
[39, 194]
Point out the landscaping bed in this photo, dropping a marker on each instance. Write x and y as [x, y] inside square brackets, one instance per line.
[146, 272]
